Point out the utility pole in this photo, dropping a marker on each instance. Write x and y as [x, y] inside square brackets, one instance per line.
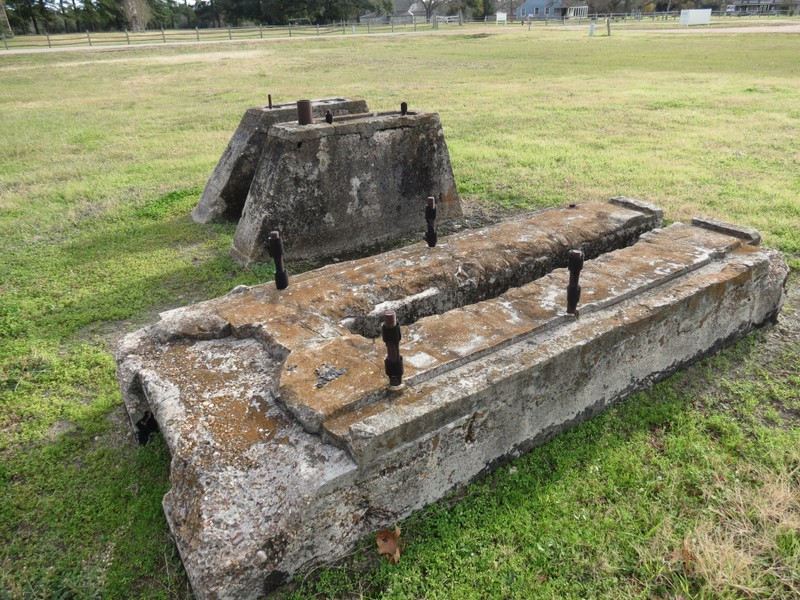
[5, 26]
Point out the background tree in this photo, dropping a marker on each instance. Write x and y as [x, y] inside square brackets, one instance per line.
[431, 5]
[136, 13]
[5, 25]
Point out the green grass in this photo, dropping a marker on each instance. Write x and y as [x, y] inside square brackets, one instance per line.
[104, 154]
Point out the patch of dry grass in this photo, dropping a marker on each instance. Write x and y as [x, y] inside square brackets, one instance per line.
[744, 544]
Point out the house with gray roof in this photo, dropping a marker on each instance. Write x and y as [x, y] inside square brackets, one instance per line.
[763, 7]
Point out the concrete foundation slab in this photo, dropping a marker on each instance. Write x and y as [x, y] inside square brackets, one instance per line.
[226, 191]
[346, 186]
[287, 445]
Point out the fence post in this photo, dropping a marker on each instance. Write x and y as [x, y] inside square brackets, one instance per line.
[415, 22]
[343, 26]
[261, 31]
[317, 28]
[391, 22]
[197, 33]
[5, 43]
[230, 35]
[47, 33]
[163, 36]
[89, 37]
[127, 37]
[290, 29]
[368, 31]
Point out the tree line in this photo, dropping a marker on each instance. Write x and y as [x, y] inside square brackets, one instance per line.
[67, 16]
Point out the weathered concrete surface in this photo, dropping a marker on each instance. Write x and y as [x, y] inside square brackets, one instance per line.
[287, 447]
[345, 186]
[226, 191]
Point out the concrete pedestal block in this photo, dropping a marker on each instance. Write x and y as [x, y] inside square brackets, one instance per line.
[287, 447]
[346, 186]
[226, 191]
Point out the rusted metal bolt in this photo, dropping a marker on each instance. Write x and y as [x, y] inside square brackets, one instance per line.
[304, 114]
[403, 108]
[393, 363]
[430, 219]
[275, 249]
[269, 100]
[328, 117]
[574, 264]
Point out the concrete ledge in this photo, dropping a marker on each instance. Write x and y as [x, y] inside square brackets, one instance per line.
[750, 235]
[286, 446]
[639, 205]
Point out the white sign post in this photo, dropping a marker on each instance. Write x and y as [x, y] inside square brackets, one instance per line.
[696, 17]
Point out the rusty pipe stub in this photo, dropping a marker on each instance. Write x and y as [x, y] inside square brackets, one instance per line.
[574, 264]
[269, 100]
[430, 220]
[393, 363]
[304, 114]
[403, 108]
[275, 250]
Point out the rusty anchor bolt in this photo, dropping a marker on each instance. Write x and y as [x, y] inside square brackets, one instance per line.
[269, 100]
[430, 219]
[304, 115]
[390, 333]
[328, 117]
[275, 249]
[403, 108]
[574, 264]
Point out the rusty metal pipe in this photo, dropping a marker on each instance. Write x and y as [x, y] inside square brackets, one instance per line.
[393, 363]
[275, 249]
[304, 114]
[269, 100]
[574, 264]
[430, 219]
[403, 108]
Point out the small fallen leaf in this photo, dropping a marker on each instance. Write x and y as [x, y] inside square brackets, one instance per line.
[389, 544]
[688, 557]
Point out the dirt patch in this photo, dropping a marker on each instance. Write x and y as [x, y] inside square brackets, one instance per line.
[60, 428]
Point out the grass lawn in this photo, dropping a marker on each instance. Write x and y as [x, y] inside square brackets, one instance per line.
[689, 490]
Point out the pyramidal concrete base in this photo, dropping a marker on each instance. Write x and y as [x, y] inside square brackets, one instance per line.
[346, 186]
[287, 445]
[226, 190]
